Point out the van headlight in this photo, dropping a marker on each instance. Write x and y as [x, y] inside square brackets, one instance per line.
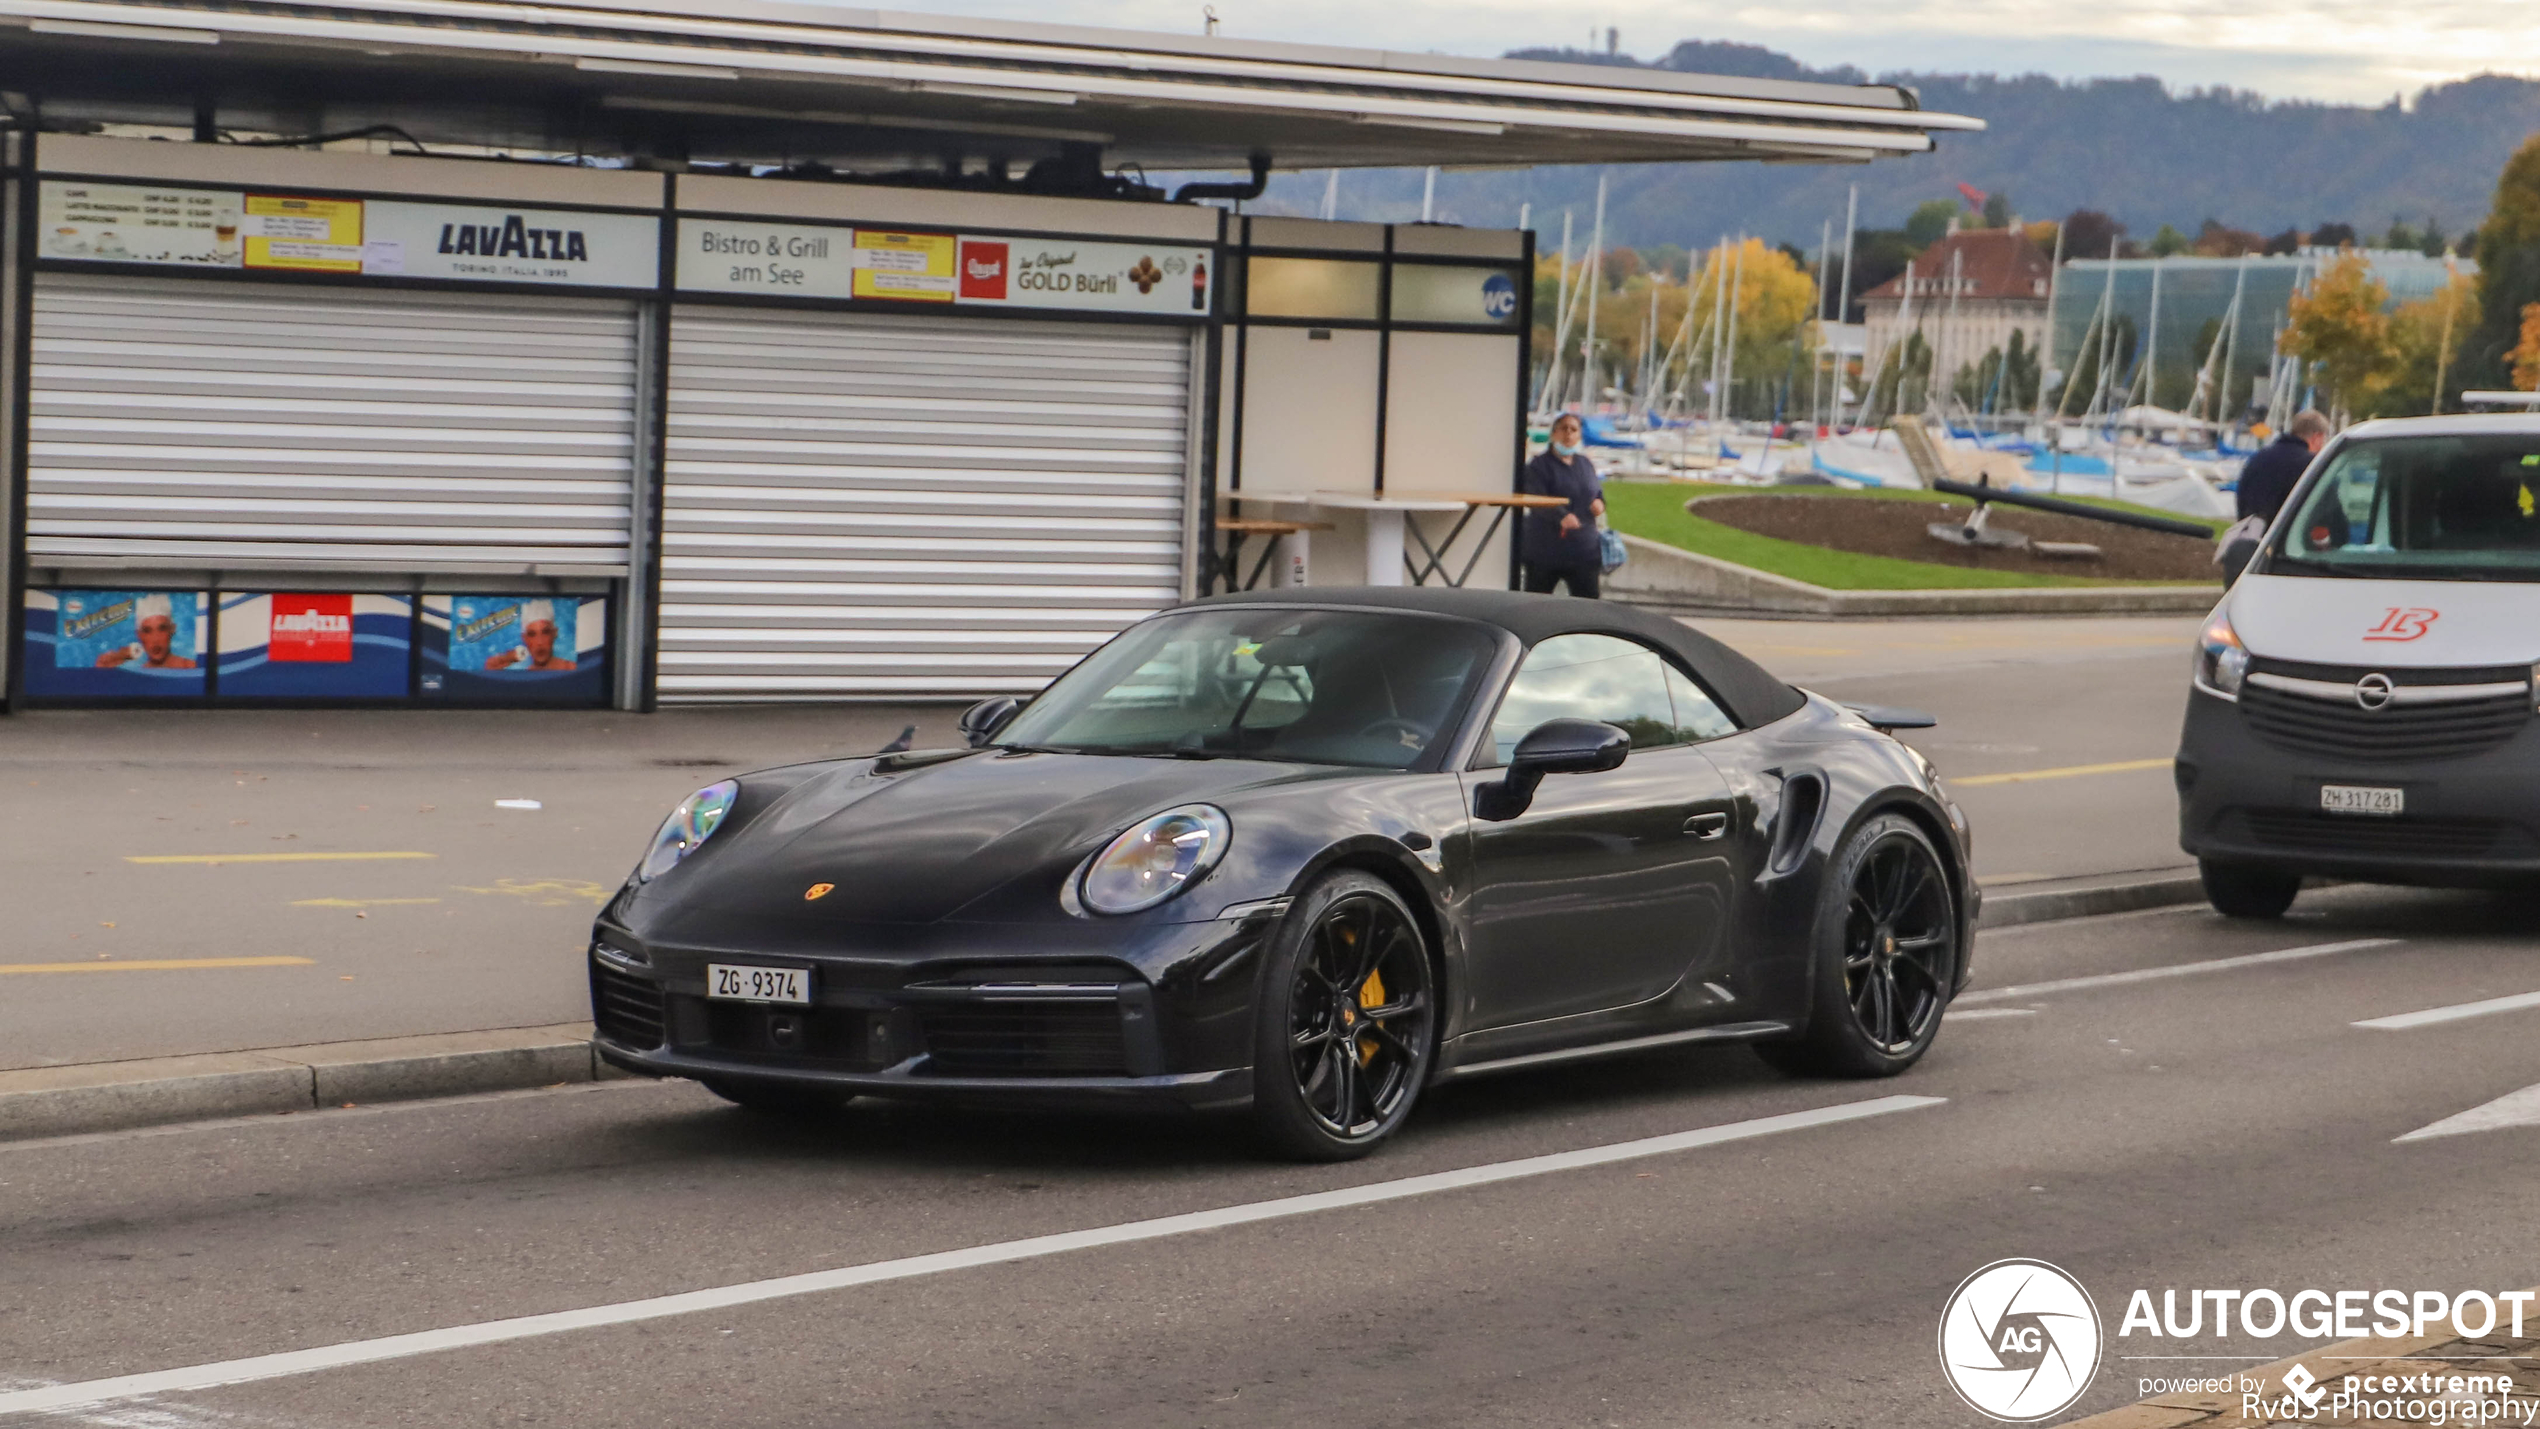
[1156, 859]
[689, 825]
[2222, 662]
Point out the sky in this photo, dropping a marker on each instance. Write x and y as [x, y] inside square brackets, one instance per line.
[2344, 51]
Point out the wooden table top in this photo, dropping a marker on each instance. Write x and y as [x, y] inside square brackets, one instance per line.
[1256, 526]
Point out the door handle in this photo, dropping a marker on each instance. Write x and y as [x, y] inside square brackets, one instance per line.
[1707, 827]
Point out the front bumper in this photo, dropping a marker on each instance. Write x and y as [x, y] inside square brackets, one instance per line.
[977, 1013]
[2470, 821]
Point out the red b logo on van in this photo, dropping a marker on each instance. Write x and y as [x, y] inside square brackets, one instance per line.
[983, 268]
[2398, 624]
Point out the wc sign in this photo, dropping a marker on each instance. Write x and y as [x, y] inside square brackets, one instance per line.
[1499, 298]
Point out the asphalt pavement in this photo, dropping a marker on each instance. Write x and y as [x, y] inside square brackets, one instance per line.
[182, 882]
[2156, 1099]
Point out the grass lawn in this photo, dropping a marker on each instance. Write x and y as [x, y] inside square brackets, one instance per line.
[1655, 511]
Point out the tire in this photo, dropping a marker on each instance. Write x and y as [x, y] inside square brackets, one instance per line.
[780, 1100]
[1884, 956]
[2245, 890]
[1344, 1024]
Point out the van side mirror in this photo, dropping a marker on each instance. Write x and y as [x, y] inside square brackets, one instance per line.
[1556, 746]
[980, 721]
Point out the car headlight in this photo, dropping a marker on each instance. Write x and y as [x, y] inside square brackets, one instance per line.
[689, 825]
[1156, 859]
[2222, 662]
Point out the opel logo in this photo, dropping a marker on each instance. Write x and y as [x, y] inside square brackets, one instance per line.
[2372, 691]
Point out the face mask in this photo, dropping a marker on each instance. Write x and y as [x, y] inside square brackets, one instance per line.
[1565, 450]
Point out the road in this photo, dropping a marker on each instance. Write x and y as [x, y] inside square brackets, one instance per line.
[461, 914]
[2219, 1123]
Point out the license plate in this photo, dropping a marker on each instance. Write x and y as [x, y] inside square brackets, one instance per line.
[735, 982]
[2361, 799]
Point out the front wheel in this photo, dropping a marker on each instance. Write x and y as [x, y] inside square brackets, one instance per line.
[1886, 956]
[2240, 890]
[1346, 1022]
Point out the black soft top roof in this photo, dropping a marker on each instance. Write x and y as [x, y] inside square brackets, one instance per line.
[1751, 693]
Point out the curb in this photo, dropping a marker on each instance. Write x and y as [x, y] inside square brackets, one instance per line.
[2366, 1356]
[2009, 910]
[114, 1096]
[1668, 578]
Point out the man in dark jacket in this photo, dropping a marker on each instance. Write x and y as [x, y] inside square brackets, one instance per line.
[1557, 545]
[2266, 479]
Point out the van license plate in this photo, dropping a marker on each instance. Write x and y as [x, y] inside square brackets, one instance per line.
[2361, 799]
[731, 982]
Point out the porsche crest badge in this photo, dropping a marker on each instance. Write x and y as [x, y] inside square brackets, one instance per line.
[817, 890]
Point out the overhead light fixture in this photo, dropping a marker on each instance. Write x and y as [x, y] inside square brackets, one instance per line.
[108, 30]
[992, 91]
[656, 67]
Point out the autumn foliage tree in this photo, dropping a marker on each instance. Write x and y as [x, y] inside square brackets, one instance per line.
[2508, 269]
[2340, 326]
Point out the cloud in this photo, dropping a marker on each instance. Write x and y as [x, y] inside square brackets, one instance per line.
[2353, 51]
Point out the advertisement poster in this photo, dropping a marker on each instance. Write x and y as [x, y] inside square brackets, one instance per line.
[312, 235]
[314, 645]
[514, 648]
[115, 643]
[139, 223]
[727, 256]
[505, 245]
[915, 266]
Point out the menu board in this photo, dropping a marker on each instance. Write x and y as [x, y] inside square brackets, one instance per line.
[379, 238]
[745, 256]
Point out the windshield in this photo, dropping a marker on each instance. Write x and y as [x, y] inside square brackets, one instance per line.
[2420, 508]
[1302, 686]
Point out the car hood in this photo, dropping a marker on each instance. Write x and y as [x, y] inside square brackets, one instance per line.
[979, 835]
[2388, 623]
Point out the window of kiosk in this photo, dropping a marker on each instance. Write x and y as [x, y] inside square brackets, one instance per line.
[1333, 289]
[1460, 295]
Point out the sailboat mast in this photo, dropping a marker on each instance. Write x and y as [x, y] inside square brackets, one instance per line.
[1595, 279]
[1817, 347]
[1728, 358]
[1949, 337]
[2054, 287]
[1843, 297]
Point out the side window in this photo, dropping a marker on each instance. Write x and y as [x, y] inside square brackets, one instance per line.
[1698, 716]
[1594, 677]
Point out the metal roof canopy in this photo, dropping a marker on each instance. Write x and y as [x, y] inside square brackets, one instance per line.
[757, 82]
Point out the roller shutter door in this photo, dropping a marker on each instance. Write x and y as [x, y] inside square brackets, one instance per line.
[859, 505]
[241, 426]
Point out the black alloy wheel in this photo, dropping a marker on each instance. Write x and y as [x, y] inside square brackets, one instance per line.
[1347, 1022]
[1887, 954]
[2242, 890]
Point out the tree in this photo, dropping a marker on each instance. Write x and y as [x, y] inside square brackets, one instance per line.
[2401, 236]
[2434, 242]
[2088, 233]
[2283, 243]
[2508, 269]
[2423, 349]
[2333, 235]
[2004, 380]
[2340, 326]
[2169, 242]
[1878, 254]
[1929, 222]
[2217, 240]
[2526, 352]
[1997, 209]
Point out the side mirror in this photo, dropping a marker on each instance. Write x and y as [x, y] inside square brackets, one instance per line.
[980, 721]
[1556, 746]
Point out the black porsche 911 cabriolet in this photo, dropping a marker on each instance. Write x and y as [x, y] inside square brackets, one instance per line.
[1304, 853]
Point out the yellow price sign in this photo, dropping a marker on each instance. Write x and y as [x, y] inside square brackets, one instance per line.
[311, 235]
[916, 266]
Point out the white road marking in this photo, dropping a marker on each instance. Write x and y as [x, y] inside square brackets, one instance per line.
[293, 1362]
[2520, 1108]
[2213, 965]
[2401, 1022]
[1973, 1013]
[150, 1416]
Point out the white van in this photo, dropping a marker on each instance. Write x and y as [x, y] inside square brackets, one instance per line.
[2362, 706]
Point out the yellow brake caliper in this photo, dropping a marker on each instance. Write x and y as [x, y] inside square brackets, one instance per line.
[1371, 993]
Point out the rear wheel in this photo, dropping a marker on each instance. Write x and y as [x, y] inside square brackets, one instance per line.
[1886, 956]
[1346, 1023]
[779, 1099]
[2241, 890]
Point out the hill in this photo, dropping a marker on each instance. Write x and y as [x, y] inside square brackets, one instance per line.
[2133, 148]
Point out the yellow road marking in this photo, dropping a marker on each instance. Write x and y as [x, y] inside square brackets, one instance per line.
[357, 902]
[265, 857]
[2070, 771]
[546, 892]
[154, 965]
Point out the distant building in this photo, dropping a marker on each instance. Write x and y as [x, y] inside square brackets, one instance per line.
[1969, 292]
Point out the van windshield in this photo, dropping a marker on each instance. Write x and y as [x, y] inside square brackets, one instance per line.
[2420, 508]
